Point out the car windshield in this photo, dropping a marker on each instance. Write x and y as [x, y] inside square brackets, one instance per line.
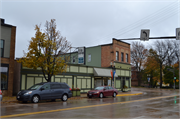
[99, 88]
[34, 87]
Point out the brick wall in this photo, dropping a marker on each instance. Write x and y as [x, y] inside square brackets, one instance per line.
[17, 77]
[122, 47]
[134, 78]
[10, 61]
[106, 55]
[108, 52]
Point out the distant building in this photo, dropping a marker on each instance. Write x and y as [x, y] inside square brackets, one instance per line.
[134, 77]
[7, 37]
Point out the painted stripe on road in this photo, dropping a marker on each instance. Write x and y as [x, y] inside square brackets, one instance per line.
[129, 94]
[73, 108]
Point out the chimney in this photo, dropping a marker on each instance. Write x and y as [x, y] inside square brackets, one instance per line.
[2, 21]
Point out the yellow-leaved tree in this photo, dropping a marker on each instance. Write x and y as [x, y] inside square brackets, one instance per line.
[47, 50]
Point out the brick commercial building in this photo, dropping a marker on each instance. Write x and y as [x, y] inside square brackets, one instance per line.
[117, 51]
[7, 37]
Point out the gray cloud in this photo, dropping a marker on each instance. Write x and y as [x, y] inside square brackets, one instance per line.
[90, 23]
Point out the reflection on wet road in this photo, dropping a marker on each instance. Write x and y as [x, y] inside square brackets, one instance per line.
[151, 104]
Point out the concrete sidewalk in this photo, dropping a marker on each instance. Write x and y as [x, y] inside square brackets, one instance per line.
[10, 100]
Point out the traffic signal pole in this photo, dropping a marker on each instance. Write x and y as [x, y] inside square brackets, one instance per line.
[144, 36]
[166, 37]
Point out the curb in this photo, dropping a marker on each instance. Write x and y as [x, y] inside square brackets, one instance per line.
[72, 98]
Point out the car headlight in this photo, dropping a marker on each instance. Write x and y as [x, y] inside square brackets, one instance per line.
[29, 92]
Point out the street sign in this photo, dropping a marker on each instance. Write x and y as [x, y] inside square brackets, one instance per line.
[177, 33]
[144, 34]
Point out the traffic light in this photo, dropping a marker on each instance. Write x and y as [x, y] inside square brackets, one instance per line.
[175, 100]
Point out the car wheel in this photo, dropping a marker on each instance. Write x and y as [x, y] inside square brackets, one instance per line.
[64, 97]
[114, 94]
[35, 99]
[101, 95]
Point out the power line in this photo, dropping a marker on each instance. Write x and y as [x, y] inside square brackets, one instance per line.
[166, 9]
[144, 22]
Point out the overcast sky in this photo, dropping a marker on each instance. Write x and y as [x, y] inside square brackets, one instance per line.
[91, 22]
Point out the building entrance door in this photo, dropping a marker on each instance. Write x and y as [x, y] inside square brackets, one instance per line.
[102, 81]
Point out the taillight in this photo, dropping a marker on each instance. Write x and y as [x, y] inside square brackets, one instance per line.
[69, 88]
[0, 92]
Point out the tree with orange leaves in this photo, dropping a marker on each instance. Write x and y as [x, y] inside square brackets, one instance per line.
[45, 51]
[151, 67]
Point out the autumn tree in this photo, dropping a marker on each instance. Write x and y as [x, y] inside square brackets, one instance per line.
[151, 67]
[46, 50]
[138, 55]
[161, 52]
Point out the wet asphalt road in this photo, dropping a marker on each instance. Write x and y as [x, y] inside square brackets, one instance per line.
[153, 103]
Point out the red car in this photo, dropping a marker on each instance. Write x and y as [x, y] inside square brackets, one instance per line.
[102, 91]
[1, 95]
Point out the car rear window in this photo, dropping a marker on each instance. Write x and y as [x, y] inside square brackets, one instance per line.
[64, 86]
[55, 86]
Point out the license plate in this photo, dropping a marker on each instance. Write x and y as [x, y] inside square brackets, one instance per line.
[18, 96]
[90, 94]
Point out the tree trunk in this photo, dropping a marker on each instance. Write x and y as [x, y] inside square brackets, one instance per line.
[49, 78]
[161, 75]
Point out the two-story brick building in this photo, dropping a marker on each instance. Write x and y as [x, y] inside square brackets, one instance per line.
[7, 37]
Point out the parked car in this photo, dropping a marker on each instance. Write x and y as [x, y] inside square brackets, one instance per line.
[1, 95]
[45, 91]
[102, 91]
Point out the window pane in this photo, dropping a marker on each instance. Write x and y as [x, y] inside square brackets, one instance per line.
[55, 86]
[126, 57]
[4, 77]
[73, 59]
[1, 52]
[117, 55]
[46, 87]
[122, 56]
[89, 58]
[2, 44]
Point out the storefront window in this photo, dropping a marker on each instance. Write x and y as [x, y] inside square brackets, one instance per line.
[4, 76]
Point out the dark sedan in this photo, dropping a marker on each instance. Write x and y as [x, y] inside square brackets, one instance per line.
[102, 91]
